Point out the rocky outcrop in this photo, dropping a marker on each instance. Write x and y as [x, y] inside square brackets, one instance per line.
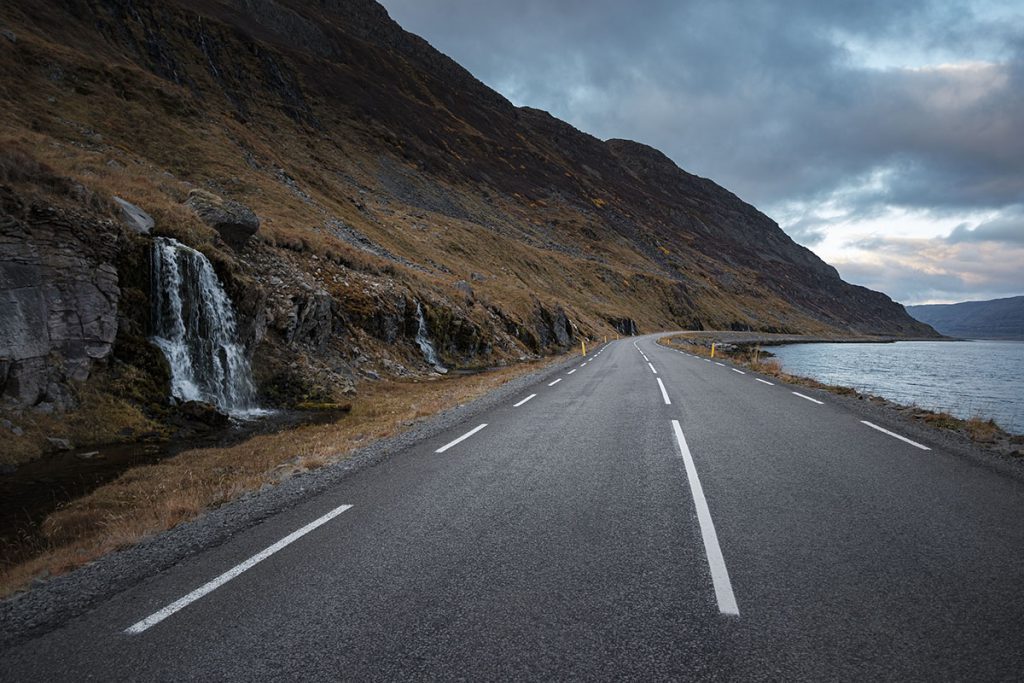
[58, 301]
[234, 222]
[625, 326]
[553, 327]
[134, 217]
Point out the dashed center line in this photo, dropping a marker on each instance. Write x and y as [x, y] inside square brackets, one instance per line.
[462, 438]
[739, 371]
[664, 394]
[764, 381]
[812, 400]
[717, 363]
[582, 364]
[516, 405]
[216, 583]
[572, 371]
[719, 573]
[652, 368]
[896, 436]
[551, 384]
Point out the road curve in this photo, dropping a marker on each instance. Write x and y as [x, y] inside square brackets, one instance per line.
[649, 515]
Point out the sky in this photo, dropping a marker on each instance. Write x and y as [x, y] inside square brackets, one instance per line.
[887, 136]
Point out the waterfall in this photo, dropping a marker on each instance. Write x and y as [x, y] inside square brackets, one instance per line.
[194, 325]
[426, 346]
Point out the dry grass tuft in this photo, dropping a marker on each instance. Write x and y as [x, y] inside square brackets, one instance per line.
[982, 430]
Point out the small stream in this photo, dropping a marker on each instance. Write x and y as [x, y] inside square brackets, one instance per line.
[39, 487]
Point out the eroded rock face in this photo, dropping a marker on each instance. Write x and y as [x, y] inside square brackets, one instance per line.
[626, 326]
[58, 302]
[553, 327]
[235, 222]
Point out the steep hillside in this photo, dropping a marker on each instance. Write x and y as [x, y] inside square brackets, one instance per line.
[994, 319]
[375, 179]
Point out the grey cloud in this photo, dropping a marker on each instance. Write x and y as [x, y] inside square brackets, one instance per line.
[762, 97]
[1008, 228]
[921, 270]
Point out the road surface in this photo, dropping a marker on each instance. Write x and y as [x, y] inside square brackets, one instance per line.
[642, 514]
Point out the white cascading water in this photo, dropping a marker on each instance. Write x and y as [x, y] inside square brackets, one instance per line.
[427, 346]
[194, 325]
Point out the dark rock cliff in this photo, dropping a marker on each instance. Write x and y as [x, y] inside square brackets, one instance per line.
[59, 300]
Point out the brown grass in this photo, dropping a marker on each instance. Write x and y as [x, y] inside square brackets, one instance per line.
[149, 499]
[982, 430]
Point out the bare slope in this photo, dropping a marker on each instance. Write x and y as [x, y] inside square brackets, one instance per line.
[384, 176]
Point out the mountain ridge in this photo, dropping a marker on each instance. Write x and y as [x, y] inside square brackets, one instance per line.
[989, 319]
[385, 177]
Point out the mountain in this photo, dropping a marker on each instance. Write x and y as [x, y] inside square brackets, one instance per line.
[994, 319]
[352, 187]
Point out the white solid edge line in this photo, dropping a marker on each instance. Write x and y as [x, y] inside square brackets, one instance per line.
[719, 573]
[652, 368]
[551, 384]
[896, 436]
[572, 371]
[516, 405]
[739, 371]
[462, 438]
[812, 400]
[664, 394]
[764, 381]
[181, 603]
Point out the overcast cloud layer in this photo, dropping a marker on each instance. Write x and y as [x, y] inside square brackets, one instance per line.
[887, 136]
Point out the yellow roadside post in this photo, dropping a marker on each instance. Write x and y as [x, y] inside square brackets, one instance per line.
[584, 345]
[712, 349]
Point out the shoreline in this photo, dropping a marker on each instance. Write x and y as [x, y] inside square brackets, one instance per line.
[961, 435]
[778, 339]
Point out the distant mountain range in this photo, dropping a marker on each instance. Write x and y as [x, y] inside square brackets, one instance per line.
[995, 319]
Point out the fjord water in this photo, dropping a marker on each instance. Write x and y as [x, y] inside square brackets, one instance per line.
[964, 378]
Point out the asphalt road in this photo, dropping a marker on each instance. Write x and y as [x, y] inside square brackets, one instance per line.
[572, 538]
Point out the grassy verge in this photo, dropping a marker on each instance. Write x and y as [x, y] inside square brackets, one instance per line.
[153, 498]
[978, 429]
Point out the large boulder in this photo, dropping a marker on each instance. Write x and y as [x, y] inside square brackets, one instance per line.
[134, 217]
[235, 222]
